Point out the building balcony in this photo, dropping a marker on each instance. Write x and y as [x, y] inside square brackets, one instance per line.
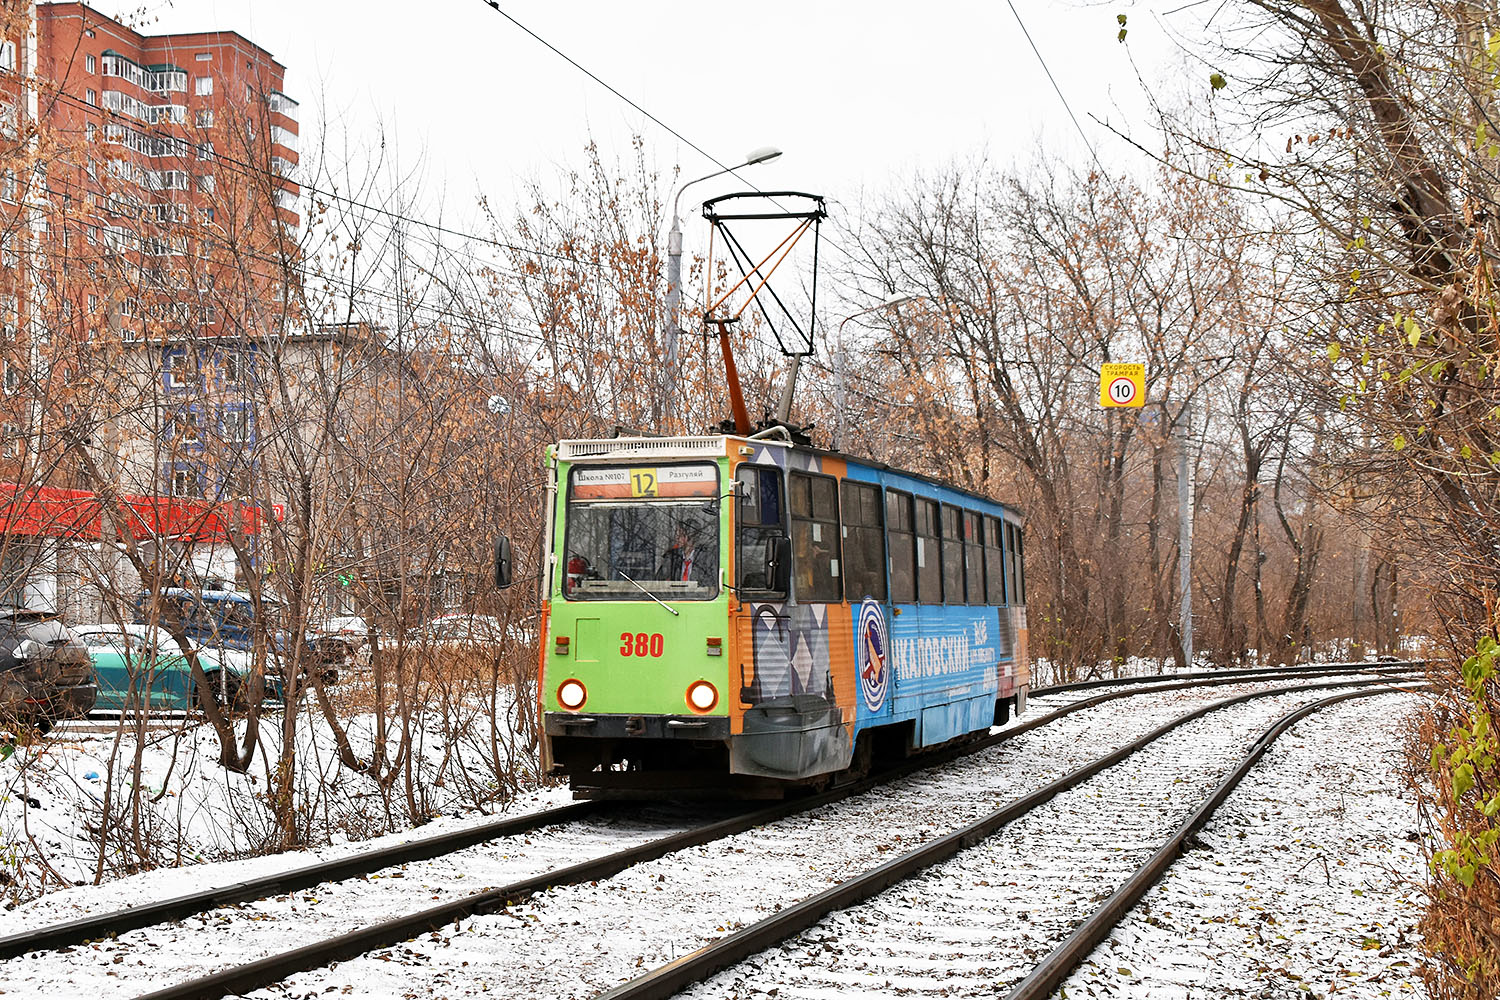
[280, 104]
[157, 79]
[284, 137]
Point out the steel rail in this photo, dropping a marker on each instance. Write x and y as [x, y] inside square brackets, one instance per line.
[1296, 670]
[667, 980]
[116, 922]
[61, 935]
[1052, 970]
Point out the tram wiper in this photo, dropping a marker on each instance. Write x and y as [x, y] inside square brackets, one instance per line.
[648, 593]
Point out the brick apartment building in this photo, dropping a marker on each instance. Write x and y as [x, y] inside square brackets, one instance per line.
[147, 221]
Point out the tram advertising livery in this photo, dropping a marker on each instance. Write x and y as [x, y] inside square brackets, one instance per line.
[740, 615]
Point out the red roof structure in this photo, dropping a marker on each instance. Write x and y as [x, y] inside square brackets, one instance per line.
[53, 512]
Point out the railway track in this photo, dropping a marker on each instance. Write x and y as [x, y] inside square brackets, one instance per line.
[948, 924]
[386, 933]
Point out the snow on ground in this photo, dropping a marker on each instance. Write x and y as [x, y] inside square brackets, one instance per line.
[191, 810]
[1308, 881]
[575, 940]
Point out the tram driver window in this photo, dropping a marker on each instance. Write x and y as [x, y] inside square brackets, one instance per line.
[760, 524]
[899, 521]
[929, 561]
[815, 537]
[864, 542]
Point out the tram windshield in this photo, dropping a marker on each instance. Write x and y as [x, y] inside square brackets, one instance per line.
[638, 534]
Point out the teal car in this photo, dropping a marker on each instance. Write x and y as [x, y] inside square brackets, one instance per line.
[141, 669]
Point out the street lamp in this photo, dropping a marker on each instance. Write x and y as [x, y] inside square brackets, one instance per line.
[674, 268]
[892, 302]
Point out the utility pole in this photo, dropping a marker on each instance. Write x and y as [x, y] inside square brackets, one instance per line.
[1185, 531]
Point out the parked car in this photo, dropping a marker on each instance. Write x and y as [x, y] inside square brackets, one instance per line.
[458, 631]
[341, 639]
[45, 672]
[139, 667]
[226, 620]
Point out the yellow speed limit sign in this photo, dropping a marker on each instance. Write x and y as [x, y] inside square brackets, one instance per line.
[1122, 385]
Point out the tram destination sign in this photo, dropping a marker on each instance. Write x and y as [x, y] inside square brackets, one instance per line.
[1122, 384]
[624, 482]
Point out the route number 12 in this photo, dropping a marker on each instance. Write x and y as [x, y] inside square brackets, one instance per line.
[643, 482]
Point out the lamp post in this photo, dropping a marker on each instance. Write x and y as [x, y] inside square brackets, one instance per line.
[674, 272]
[841, 363]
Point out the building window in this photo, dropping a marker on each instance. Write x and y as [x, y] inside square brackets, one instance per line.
[236, 426]
[185, 424]
[12, 379]
[206, 184]
[92, 96]
[249, 94]
[93, 302]
[90, 64]
[185, 482]
[815, 536]
[234, 372]
[8, 121]
[204, 118]
[8, 185]
[90, 131]
[8, 56]
[177, 370]
[205, 151]
[15, 443]
[205, 86]
[864, 542]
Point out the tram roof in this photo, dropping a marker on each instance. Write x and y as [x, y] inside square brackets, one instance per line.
[688, 446]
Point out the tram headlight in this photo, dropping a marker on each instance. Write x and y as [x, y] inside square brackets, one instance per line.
[571, 694]
[702, 696]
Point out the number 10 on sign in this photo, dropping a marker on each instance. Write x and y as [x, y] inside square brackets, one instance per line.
[1122, 385]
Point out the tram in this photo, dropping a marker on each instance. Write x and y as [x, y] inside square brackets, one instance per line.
[743, 614]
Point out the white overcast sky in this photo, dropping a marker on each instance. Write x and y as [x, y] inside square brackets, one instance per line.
[859, 95]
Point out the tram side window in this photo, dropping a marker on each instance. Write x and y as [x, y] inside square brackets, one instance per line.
[864, 542]
[973, 559]
[953, 555]
[929, 560]
[758, 515]
[994, 562]
[1012, 591]
[903, 540]
[1021, 561]
[815, 536]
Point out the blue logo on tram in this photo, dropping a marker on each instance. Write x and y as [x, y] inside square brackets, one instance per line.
[874, 643]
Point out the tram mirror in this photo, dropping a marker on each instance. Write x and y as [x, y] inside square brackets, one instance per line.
[504, 563]
[712, 506]
[779, 564]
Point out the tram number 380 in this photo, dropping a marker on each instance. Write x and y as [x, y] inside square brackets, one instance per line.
[640, 644]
